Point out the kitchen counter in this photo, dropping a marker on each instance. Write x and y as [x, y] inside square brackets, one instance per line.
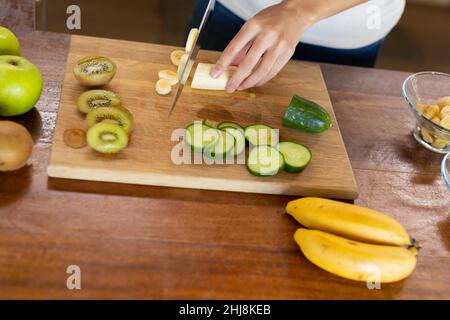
[151, 242]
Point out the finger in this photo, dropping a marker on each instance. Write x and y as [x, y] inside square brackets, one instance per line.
[263, 69]
[279, 64]
[248, 64]
[243, 37]
[241, 55]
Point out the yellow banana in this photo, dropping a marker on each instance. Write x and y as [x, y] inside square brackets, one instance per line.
[175, 56]
[349, 221]
[355, 260]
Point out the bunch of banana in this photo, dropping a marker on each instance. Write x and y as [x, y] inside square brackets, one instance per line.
[353, 242]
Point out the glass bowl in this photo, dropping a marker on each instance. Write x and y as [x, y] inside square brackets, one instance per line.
[427, 88]
[446, 170]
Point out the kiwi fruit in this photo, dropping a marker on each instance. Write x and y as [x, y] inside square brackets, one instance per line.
[94, 71]
[93, 99]
[16, 145]
[75, 138]
[107, 137]
[119, 115]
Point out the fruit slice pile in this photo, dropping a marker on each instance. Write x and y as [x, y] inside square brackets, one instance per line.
[201, 79]
[169, 78]
[439, 113]
[353, 242]
[109, 123]
[266, 156]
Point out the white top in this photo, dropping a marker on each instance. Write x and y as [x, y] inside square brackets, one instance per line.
[354, 28]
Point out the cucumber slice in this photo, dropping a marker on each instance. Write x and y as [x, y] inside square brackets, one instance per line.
[223, 147]
[199, 136]
[229, 124]
[261, 134]
[210, 123]
[296, 156]
[265, 161]
[239, 139]
[307, 116]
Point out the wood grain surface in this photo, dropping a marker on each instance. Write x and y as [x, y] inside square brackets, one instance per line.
[149, 158]
[134, 241]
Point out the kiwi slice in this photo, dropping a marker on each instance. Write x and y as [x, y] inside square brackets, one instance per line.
[118, 115]
[75, 138]
[93, 99]
[94, 71]
[107, 137]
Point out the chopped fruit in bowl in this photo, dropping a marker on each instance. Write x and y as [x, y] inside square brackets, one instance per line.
[428, 96]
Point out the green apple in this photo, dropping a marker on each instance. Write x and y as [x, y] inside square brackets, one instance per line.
[9, 45]
[20, 85]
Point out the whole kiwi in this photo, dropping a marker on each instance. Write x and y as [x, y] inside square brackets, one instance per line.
[94, 71]
[16, 146]
[93, 99]
[118, 115]
[107, 137]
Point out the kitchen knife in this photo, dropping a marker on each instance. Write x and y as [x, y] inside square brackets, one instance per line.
[192, 56]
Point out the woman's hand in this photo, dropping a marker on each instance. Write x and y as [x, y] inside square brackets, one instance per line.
[264, 45]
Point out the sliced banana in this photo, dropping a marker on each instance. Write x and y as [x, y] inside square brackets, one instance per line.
[175, 56]
[445, 122]
[192, 38]
[421, 107]
[163, 87]
[431, 111]
[169, 75]
[445, 112]
[440, 143]
[436, 120]
[427, 136]
[444, 101]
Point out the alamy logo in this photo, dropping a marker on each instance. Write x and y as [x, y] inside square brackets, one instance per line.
[74, 280]
[374, 278]
[201, 144]
[73, 21]
[374, 19]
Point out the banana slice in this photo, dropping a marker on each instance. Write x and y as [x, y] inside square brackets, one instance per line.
[175, 56]
[436, 119]
[440, 143]
[169, 75]
[421, 107]
[444, 101]
[163, 87]
[192, 38]
[431, 111]
[445, 111]
[427, 136]
[445, 122]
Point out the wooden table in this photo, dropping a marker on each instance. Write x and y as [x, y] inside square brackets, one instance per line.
[151, 242]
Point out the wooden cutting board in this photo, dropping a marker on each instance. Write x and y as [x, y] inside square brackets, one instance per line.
[147, 160]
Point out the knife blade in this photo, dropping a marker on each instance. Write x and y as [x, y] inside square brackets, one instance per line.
[191, 57]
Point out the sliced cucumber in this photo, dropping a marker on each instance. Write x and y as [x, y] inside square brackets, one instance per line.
[223, 147]
[265, 161]
[239, 139]
[261, 134]
[210, 123]
[296, 156]
[199, 136]
[229, 124]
